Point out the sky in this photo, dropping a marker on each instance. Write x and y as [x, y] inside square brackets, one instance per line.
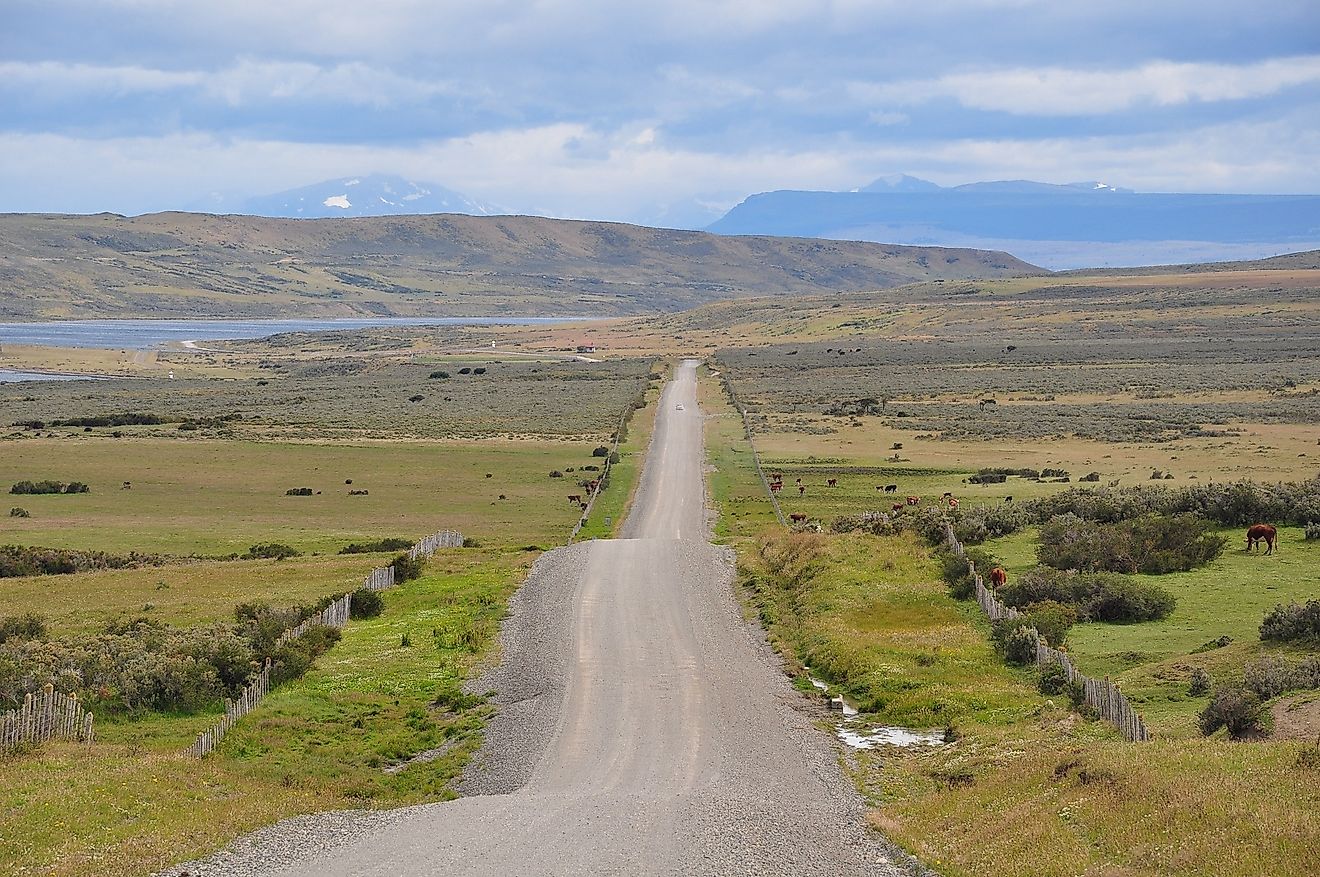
[659, 112]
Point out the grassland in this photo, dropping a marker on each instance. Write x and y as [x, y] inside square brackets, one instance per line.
[613, 503]
[1152, 661]
[132, 803]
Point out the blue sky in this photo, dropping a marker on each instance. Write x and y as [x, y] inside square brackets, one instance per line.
[638, 111]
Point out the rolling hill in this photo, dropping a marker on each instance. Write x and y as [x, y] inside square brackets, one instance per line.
[201, 265]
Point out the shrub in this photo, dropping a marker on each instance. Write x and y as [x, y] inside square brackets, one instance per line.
[37, 488]
[1312, 532]
[1052, 620]
[299, 491]
[1151, 544]
[77, 487]
[441, 374]
[1095, 596]
[479, 370]
[1053, 679]
[469, 542]
[275, 550]
[954, 570]
[1200, 682]
[17, 512]
[389, 543]
[555, 473]
[1238, 710]
[465, 371]
[22, 628]
[600, 451]
[1015, 640]
[1292, 623]
[366, 603]
[416, 397]
[1268, 676]
[406, 568]
[613, 457]
[295, 657]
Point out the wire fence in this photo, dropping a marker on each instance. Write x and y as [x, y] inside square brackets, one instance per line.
[751, 442]
[335, 615]
[1100, 694]
[47, 715]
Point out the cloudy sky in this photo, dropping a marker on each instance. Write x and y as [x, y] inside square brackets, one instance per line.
[640, 111]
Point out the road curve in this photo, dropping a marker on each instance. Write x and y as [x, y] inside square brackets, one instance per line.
[643, 726]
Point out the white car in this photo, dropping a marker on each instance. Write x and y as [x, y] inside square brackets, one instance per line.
[678, 407]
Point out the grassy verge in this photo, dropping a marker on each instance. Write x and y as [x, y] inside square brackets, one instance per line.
[1152, 661]
[734, 486]
[131, 803]
[612, 505]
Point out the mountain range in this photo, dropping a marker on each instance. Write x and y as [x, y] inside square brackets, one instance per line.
[372, 195]
[1074, 225]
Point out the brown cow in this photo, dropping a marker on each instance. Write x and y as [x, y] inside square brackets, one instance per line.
[1258, 533]
[953, 503]
[914, 500]
[898, 507]
[575, 497]
[998, 577]
[797, 518]
[833, 482]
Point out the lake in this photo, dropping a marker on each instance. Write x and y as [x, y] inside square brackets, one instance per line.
[9, 376]
[148, 334]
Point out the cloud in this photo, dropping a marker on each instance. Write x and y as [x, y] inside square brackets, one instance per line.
[1058, 91]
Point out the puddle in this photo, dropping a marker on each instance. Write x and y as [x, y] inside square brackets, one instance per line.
[860, 735]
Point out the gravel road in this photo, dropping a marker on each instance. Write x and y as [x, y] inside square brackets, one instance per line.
[643, 726]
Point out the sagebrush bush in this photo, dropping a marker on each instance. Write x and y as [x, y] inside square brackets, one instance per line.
[389, 543]
[1015, 640]
[1268, 676]
[25, 627]
[1052, 620]
[295, 657]
[1200, 682]
[1095, 596]
[1311, 532]
[1237, 709]
[1152, 544]
[1053, 679]
[271, 550]
[406, 568]
[1292, 622]
[366, 603]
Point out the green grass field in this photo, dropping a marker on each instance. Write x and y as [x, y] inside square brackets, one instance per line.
[1152, 661]
[131, 803]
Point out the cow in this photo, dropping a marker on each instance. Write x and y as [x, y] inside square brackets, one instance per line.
[947, 495]
[833, 482]
[998, 577]
[914, 500]
[582, 506]
[798, 518]
[953, 503]
[575, 497]
[1258, 533]
[898, 507]
[802, 490]
[775, 487]
[1008, 499]
[128, 485]
[891, 488]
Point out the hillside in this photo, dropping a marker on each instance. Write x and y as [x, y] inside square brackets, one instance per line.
[200, 265]
[1059, 227]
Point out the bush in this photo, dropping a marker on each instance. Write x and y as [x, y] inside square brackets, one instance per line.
[1151, 544]
[1238, 710]
[295, 657]
[479, 370]
[275, 550]
[1267, 676]
[465, 371]
[389, 543]
[22, 628]
[36, 488]
[1015, 640]
[366, 603]
[406, 568]
[1292, 623]
[17, 512]
[613, 457]
[1311, 532]
[954, 570]
[299, 491]
[441, 375]
[1200, 682]
[1053, 679]
[555, 473]
[1095, 596]
[600, 451]
[1052, 620]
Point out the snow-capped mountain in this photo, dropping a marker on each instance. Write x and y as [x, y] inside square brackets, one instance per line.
[374, 195]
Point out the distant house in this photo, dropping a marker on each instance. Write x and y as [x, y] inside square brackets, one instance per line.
[586, 348]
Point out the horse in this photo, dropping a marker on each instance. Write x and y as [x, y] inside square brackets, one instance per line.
[1258, 533]
[998, 577]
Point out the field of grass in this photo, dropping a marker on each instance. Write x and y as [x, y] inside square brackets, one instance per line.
[1152, 661]
[131, 803]
[220, 497]
[615, 501]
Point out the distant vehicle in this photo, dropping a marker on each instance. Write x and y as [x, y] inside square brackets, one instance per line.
[678, 407]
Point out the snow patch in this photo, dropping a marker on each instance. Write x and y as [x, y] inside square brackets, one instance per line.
[351, 182]
[337, 201]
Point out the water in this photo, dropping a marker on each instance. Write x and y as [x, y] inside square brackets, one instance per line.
[863, 735]
[148, 334]
[9, 376]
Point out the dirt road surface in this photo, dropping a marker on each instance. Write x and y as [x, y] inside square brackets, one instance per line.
[644, 727]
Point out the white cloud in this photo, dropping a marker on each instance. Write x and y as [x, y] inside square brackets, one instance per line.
[1058, 91]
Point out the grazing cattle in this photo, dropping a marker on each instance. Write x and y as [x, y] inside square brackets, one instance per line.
[582, 506]
[947, 495]
[799, 481]
[797, 518]
[802, 491]
[891, 488]
[1258, 533]
[953, 503]
[775, 487]
[128, 485]
[833, 482]
[575, 497]
[1008, 499]
[914, 500]
[898, 507]
[998, 577]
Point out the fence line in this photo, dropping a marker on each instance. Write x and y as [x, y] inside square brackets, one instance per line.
[604, 474]
[756, 456]
[1101, 694]
[334, 615]
[48, 715]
